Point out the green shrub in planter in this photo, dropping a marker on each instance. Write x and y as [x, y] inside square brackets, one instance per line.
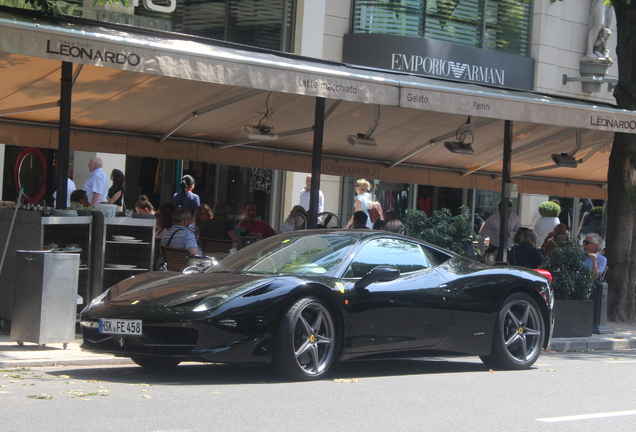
[549, 209]
[454, 233]
[571, 278]
[596, 211]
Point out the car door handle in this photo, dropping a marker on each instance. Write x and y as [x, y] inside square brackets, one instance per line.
[444, 288]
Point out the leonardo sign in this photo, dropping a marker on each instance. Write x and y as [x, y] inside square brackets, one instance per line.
[84, 51]
[438, 59]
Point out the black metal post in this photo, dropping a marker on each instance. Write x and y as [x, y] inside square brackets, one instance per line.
[64, 136]
[599, 325]
[505, 179]
[316, 163]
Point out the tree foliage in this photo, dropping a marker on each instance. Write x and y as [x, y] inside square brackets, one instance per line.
[571, 278]
[49, 6]
[454, 233]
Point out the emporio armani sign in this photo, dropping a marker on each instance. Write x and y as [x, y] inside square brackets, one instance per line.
[447, 69]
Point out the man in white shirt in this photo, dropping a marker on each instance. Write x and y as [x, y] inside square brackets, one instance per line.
[70, 187]
[96, 186]
[306, 193]
[490, 229]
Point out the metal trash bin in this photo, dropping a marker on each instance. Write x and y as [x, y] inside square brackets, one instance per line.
[45, 297]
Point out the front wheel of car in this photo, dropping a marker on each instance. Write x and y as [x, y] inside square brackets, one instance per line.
[305, 340]
[519, 334]
[156, 364]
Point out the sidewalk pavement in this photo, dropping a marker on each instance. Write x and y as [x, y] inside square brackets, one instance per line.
[13, 355]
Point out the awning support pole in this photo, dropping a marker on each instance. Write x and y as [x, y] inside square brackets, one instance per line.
[178, 173]
[316, 162]
[505, 179]
[64, 137]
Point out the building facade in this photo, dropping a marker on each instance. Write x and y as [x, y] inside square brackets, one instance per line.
[511, 46]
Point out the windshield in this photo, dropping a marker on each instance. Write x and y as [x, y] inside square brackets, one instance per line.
[291, 254]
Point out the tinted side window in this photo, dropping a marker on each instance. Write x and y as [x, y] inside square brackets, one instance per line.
[403, 255]
[434, 256]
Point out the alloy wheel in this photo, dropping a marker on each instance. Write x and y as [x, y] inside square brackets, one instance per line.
[313, 337]
[522, 330]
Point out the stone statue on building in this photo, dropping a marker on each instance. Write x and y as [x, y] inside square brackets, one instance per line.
[599, 23]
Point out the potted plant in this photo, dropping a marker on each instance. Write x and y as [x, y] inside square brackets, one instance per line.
[592, 221]
[454, 233]
[549, 212]
[572, 283]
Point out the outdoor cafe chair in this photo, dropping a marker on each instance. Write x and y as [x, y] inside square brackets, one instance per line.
[176, 259]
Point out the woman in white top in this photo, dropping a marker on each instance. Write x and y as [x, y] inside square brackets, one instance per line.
[362, 201]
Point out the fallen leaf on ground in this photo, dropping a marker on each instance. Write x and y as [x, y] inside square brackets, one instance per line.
[347, 380]
[42, 396]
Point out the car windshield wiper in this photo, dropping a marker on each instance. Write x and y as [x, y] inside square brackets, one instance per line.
[228, 271]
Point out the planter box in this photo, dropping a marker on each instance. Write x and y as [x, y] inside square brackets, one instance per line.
[573, 318]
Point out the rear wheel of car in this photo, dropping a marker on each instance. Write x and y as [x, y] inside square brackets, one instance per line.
[305, 340]
[156, 364]
[519, 333]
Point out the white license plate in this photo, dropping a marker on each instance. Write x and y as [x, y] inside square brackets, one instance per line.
[119, 326]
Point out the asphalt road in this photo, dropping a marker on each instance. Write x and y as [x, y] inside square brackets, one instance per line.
[457, 394]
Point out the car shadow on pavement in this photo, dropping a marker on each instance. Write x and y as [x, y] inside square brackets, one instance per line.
[227, 374]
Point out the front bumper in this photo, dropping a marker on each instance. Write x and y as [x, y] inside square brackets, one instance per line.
[184, 341]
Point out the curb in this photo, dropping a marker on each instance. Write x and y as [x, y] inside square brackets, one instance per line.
[12, 364]
[573, 344]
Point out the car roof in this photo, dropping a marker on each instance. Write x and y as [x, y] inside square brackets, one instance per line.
[364, 234]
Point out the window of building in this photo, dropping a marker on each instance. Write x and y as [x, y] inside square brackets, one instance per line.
[498, 25]
[260, 23]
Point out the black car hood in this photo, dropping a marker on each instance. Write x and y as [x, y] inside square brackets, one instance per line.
[171, 289]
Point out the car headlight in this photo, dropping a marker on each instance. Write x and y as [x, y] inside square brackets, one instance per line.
[210, 302]
[215, 300]
[97, 301]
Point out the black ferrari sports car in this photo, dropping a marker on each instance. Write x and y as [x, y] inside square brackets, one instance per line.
[305, 299]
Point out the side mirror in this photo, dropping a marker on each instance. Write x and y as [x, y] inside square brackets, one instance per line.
[378, 274]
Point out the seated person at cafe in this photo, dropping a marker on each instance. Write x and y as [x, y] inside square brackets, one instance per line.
[592, 244]
[558, 235]
[526, 254]
[164, 221]
[360, 220]
[79, 199]
[256, 227]
[219, 227]
[144, 206]
[202, 214]
[296, 220]
[179, 236]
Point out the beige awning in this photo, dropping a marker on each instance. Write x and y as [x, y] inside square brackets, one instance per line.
[154, 94]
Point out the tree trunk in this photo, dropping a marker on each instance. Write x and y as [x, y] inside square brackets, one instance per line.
[620, 229]
[621, 180]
